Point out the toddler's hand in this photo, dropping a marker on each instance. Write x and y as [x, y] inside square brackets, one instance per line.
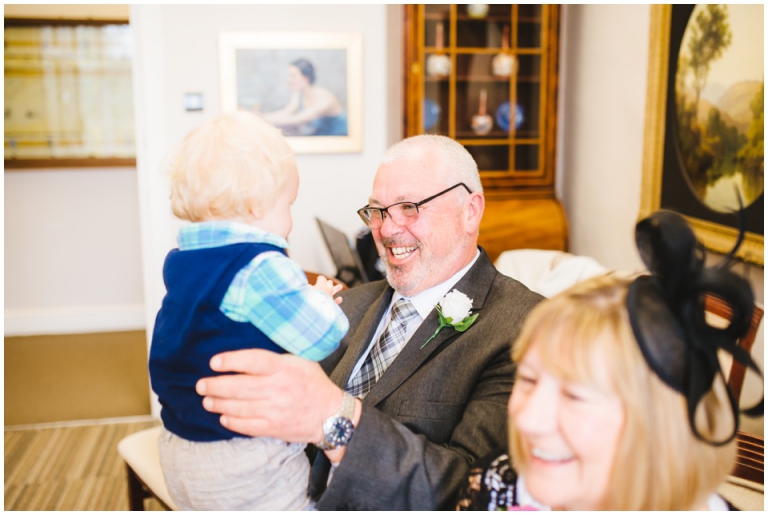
[327, 286]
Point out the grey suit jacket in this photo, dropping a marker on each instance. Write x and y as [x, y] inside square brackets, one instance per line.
[434, 410]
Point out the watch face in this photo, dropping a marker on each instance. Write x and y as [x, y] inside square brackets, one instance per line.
[340, 432]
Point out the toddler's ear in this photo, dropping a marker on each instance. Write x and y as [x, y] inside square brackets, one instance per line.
[257, 212]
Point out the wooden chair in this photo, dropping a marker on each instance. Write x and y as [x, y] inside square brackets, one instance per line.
[717, 307]
[142, 465]
[750, 458]
[750, 455]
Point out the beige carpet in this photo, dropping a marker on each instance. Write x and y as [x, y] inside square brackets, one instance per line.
[75, 377]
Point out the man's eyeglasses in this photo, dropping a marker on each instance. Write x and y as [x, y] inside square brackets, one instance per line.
[402, 213]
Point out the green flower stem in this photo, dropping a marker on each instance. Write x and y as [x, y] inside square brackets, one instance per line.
[442, 324]
[448, 321]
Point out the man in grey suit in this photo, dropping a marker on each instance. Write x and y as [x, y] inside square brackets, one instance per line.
[400, 413]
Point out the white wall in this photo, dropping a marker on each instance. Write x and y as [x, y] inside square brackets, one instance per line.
[72, 256]
[605, 54]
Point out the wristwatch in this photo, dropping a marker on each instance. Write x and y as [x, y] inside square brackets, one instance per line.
[338, 428]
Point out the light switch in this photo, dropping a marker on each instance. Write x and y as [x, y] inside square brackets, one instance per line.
[193, 101]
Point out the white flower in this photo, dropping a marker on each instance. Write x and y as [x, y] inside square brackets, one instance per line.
[455, 307]
[453, 311]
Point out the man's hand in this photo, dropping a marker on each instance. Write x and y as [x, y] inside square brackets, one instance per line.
[277, 395]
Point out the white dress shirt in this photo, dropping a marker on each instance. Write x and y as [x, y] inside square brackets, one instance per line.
[424, 303]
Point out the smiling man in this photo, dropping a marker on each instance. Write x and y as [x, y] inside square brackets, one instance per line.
[412, 397]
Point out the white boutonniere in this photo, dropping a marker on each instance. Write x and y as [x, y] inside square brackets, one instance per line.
[453, 311]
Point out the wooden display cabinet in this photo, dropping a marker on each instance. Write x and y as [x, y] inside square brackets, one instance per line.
[505, 116]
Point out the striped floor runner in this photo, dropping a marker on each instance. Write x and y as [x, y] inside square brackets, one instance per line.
[67, 468]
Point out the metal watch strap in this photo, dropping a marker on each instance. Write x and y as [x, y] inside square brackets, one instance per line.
[346, 413]
[347, 406]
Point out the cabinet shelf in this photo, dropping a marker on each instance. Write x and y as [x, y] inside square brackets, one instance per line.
[497, 137]
[492, 18]
[497, 18]
[480, 51]
[491, 78]
[483, 78]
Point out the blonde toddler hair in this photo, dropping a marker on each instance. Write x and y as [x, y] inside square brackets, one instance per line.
[233, 166]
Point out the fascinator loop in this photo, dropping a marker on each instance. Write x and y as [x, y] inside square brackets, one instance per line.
[667, 315]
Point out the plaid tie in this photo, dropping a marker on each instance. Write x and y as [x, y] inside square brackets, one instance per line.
[385, 351]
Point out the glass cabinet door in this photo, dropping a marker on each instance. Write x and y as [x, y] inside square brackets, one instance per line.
[435, 113]
[480, 75]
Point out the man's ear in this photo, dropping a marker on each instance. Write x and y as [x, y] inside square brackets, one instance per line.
[473, 212]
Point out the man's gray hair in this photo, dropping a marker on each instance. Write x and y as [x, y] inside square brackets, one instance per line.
[457, 162]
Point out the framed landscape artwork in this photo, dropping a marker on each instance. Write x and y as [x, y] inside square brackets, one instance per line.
[308, 84]
[704, 122]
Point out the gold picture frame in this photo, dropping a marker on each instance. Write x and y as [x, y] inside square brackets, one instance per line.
[715, 236]
[255, 75]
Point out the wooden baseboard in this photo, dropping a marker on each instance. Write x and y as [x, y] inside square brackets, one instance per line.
[74, 320]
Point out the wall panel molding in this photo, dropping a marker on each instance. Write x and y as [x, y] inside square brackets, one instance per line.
[74, 320]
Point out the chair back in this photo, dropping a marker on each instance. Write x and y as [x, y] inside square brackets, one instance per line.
[349, 268]
[750, 455]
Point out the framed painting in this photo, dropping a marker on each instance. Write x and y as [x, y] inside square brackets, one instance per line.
[703, 154]
[308, 84]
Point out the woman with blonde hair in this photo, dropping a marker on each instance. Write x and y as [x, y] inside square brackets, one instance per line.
[619, 401]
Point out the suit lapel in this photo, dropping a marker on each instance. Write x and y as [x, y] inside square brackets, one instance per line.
[476, 284]
[362, 337]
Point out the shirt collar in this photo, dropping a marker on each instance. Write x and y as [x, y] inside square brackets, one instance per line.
[202, 235]
[525, 499]
[426, 301]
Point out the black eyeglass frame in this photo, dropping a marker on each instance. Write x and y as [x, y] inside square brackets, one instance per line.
[385, 210]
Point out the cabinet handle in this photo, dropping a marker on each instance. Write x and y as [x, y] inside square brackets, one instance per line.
[416, 68]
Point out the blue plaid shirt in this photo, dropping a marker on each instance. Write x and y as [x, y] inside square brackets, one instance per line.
[272, 292]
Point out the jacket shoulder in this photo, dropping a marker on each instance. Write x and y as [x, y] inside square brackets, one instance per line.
[513, 291]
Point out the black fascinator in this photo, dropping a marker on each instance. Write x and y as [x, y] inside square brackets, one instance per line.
[666, 311]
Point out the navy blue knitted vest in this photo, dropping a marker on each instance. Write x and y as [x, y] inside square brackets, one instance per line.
[190, 329]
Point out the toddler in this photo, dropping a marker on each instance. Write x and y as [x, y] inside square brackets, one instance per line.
[230, 286]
